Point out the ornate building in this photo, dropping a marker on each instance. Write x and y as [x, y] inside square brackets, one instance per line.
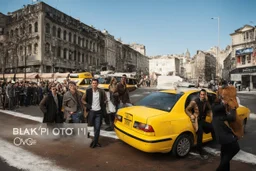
[243, 56]
[40, 38]
[44, 39]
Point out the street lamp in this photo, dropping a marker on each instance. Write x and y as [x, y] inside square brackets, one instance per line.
[217, 67]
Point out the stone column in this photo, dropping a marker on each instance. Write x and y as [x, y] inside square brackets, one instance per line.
[251, 83]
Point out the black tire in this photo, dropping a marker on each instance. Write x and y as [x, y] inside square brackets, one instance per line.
[183, 141]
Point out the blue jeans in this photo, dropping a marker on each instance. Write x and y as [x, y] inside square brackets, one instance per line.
[76, 117]
[95, 118]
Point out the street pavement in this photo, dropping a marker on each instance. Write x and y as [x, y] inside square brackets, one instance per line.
[61, 152]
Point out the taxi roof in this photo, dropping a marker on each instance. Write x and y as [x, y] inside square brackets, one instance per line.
[184, 90]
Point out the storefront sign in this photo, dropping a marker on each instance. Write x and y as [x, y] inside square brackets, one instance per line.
[244, 51]
[236, 77]
[244, 70]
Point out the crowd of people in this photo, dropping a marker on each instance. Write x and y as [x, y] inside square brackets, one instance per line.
[25, 93]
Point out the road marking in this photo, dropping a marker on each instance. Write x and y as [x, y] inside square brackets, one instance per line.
[24, 160]
[241, 156]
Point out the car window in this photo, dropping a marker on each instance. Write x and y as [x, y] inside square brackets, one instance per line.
[191, 97]
[85, 81]
[104, 80]
[160, 100]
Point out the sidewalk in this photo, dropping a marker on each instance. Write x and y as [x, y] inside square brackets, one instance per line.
[247, 92]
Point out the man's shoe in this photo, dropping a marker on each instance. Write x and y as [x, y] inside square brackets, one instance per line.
[98, 145]
[109, 129]
[204, 157]
[92, 145]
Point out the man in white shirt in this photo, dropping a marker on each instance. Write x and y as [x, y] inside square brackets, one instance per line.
[95, 102]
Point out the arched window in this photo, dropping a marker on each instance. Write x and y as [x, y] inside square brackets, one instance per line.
[30, 28]
[69, 37]
[47, 28]
[59, 33]
[47, 48]
[70, 55]
[36, 27]
[65, 35]
[83, 42]
[54, 31]
[35, 48]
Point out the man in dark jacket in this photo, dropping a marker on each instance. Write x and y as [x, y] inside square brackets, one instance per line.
[51, 107]
[96, 105]
[224, 135]
[199, 109]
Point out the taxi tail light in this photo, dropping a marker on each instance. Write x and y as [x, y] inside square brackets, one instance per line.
[118, 118]
[143, 127]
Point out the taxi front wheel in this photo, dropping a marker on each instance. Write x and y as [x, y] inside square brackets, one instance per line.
[182, 145]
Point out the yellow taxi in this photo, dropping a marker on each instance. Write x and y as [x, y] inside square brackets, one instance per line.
[83, 80]
[131, 83]
[158, 122]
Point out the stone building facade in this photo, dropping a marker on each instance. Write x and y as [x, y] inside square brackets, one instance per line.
[165, 65]
[43, 39]
[244, 56]
[139, 47]
[203, 67]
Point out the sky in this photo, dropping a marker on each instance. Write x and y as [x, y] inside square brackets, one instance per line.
[163, 26]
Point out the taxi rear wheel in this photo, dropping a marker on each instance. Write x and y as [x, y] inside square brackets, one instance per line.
[182, 145]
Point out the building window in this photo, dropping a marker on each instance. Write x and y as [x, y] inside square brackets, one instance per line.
[70, 55]
[35, 48]
[243, 60]
[47, 48]
[79, 41]
[82, 42]
[16, 32]
[82, 58]
[69, 37]
[30, 49]
[47, 28]
[86, 44]
[248, 59]
[74, 55]
[59, 52]
[30, 28]
[53, 51]
[79, 56]
[11, 35]
[65, 54]
[59, 33]
[65, 35]
[21, 50]
[86, 59]
[74, 40]
[36, 27]
[54, 31]
[238, 59]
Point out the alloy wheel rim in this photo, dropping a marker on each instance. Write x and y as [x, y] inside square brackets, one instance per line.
[183, 147]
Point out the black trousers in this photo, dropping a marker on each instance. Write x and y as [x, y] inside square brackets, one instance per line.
[228, 151]
[203, 127]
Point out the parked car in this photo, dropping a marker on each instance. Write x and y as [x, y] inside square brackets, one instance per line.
[158, 122]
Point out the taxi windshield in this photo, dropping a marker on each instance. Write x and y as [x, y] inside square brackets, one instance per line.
[160, 100]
